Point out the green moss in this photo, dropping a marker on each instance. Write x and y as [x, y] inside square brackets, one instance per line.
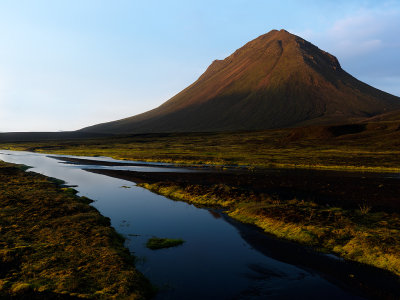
[53, 242]
[155, 243]
[372, 238]
[375, 149]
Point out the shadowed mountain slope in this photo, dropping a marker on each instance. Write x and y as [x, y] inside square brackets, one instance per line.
[277, 80]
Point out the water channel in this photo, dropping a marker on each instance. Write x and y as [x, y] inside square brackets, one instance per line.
[215, 262]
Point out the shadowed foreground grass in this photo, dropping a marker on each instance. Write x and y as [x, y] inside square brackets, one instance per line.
[53, 244]
[359, 234]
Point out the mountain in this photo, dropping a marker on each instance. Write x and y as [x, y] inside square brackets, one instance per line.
[276, 80]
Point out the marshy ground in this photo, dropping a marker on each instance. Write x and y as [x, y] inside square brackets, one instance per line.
[353, 215]
[54, 245]
[364, 147]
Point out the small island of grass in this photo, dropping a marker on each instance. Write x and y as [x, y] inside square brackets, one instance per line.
[155, 243]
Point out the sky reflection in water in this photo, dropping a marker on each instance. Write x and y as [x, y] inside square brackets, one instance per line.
[214, 262]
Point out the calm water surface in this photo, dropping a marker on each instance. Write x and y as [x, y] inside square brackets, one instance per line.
[215, 262]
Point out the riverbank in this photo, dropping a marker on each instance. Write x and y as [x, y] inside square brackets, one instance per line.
[55, 245]
[359, 234]
[355, 217]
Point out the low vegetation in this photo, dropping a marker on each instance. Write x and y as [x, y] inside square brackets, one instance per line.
[366, 147]
[155, 243]
[364, 231]
[53, 244]
[355, 233]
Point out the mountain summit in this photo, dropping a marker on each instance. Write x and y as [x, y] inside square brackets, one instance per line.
[276, 80]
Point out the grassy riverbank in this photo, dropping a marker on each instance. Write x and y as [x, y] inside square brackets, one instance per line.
[366, 147]
[53, 244]
[348, 223]
[361, 233]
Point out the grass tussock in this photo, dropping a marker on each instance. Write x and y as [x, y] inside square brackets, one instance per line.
[156, 243]
[359, 234]
[52, 243]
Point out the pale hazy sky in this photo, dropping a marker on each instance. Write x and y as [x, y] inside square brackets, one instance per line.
[68, 64]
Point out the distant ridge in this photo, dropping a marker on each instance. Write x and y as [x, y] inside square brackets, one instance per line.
[276, 80]
[10, 137]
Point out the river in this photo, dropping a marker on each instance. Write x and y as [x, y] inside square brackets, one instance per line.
[215, 262]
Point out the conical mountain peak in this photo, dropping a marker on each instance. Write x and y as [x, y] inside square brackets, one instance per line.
[276, 80]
